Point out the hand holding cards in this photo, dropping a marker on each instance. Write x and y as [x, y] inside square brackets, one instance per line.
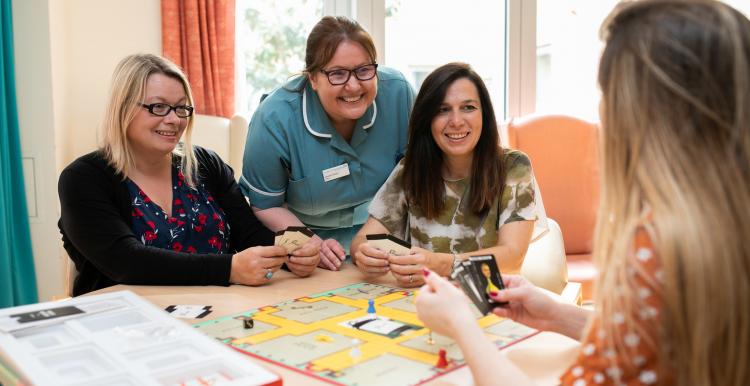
[389, 244]
[293, 238]
[479, 276]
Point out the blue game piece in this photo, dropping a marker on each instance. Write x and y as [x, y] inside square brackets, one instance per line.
[370, 306]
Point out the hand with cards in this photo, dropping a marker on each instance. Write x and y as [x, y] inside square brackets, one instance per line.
[478, 277]
[302, 249]
[384, 253]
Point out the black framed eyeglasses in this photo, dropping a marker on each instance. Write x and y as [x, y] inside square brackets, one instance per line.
[163, 109]
[340, 76]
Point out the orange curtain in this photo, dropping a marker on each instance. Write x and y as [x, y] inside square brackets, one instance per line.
[198, 35]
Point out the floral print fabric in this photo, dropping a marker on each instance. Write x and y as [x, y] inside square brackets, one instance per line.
[196, 225]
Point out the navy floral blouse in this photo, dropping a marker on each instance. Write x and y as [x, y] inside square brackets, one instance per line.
[196, 225]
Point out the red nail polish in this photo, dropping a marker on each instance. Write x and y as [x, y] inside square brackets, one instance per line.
[493, 293]
[425, 272]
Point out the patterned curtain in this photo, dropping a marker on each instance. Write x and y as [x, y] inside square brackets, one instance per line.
[17, 277]
[198, 35]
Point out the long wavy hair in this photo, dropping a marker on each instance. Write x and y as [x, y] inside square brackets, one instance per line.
[423, 162]
[675, 78]
[126, 95]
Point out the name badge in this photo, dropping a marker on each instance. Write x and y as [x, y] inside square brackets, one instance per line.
[336, 172]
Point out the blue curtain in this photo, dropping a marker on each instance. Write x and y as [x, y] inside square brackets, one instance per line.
[17, 278]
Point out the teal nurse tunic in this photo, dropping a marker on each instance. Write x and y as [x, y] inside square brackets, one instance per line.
[292, 151]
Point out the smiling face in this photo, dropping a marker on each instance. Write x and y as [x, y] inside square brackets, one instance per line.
[457, 126]
[345, 103]
[151, 136]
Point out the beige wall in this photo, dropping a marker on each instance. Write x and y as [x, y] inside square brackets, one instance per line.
[65, 51]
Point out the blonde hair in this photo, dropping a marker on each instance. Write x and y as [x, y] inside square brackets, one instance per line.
[675, 78]
[126, 95]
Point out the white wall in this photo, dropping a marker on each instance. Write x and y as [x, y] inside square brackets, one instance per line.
[65, 52]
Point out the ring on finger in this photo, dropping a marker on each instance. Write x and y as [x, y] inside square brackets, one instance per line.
[269, 273]
[411, 277]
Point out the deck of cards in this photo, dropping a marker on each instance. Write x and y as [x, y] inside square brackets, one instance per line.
[478, 276]
[293, 238]
[389, 244]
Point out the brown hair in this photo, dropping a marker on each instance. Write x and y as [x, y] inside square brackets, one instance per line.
[326, 36]
[675, 78]
[424, 186]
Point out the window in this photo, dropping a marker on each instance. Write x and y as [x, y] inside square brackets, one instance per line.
[271, 37]
[417, 36]
[568, 50]
[740, 5]
[421, 35]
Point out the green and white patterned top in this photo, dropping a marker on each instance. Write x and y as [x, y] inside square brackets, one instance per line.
[457, 229]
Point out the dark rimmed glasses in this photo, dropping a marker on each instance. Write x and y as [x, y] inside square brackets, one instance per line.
[163, 109]
[340, 76]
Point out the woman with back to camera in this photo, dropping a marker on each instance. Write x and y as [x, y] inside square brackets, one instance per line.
[143, 210]
[674, 262]
[320, 146]
[457, 192]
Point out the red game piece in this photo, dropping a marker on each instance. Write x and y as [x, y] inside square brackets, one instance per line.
[442, 360]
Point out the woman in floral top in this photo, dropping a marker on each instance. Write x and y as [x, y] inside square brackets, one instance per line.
[141, 210]
[674, 260]
[456, 191]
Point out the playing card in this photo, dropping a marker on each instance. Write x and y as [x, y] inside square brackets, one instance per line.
[188, 311]
[293, 238]
[472, 280]
[459, 275]
[389, 243]
[488, 276]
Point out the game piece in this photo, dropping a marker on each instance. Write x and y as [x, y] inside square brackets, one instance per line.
[442, 361]
[430, 341]
[248, 323]
[323, 338]
[355, 352]
[371, 307]
[389, 243]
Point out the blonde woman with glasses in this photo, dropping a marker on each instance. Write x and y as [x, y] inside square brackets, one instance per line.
[672, 245]
[145, 209]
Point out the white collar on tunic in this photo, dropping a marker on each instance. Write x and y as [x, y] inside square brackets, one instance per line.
[322, 135]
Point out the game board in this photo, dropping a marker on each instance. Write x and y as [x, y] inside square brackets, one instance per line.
[332, 337]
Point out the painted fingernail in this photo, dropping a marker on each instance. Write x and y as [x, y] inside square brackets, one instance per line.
[425, 272]
[494, 293]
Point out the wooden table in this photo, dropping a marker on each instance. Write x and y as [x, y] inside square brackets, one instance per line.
[544, 356]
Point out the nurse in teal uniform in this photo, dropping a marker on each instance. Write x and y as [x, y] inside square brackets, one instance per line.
[320, 146]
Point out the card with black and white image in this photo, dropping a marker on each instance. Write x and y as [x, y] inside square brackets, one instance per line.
[389, 244]
[489, 276]
[460, 275]
[188, 311]
[473, 284]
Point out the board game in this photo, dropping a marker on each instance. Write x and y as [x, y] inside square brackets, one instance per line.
[335, 336]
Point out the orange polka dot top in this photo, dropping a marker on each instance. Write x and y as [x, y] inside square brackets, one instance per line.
[597, 363]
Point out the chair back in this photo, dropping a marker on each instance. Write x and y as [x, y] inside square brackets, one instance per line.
[564, 155]
[224, 136]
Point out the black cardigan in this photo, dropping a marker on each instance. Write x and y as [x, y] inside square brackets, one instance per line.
[95, 223]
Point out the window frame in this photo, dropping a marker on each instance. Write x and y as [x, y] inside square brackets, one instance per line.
[520, 46]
